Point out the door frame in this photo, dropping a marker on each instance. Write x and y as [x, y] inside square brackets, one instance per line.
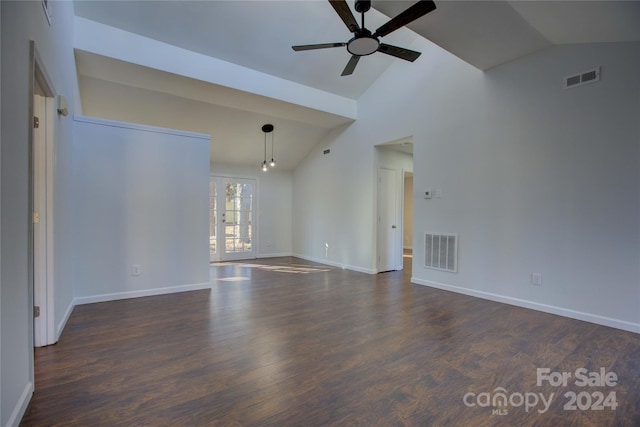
[41, 194]
[222, 256]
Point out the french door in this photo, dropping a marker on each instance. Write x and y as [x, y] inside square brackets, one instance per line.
[231, 218]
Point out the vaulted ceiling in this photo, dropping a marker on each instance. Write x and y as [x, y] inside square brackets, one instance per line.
[258, 35]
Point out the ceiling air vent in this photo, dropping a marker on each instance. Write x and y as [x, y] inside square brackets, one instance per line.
[583, 78]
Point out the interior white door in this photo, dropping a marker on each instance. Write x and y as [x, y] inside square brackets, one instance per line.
[39, 233]
[387, 220]
[232, 218]
[41, 221]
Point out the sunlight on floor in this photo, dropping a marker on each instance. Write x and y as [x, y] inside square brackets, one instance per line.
[284, 268]
[234, 279]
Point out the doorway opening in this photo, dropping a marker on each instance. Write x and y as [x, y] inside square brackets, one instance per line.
[394, 205]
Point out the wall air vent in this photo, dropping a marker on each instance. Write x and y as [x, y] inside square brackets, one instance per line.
[584, 78]
[441, 251]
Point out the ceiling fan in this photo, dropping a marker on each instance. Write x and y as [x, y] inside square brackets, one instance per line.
[364, 42]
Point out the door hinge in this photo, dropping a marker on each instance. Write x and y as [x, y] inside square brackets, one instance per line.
[36, 218]
[36, 311]
[36, 122]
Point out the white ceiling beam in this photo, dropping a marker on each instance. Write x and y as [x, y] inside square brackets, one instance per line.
[111, 42]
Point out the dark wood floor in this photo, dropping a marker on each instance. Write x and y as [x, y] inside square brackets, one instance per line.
[285, 342]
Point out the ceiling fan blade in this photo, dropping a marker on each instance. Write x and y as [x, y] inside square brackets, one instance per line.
[342, 9]
[351, 65]
[399, 52]
[414, 12]
[317, 46]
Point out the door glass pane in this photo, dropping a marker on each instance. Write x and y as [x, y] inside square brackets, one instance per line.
[213, 223]
[238, 213]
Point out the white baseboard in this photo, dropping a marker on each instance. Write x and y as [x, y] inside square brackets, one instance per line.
[140, 293]
[565, 312]
[335, 264]
[21, 406]
[64, 320]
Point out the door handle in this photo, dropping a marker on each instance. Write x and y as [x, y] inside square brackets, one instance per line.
[393, 226]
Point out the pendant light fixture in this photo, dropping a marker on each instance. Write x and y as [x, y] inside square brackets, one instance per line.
[268, 128]
[264, 162]
[272, 163]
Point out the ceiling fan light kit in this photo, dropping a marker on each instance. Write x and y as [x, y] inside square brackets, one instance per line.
[366, 43]
[363, 45]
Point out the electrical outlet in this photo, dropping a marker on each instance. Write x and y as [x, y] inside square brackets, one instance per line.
[136, 270]
[536, 279]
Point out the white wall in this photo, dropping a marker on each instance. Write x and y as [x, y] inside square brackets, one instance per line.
[1, 382]
[141, 197]
[235, 134]
[537, 179]
[22, 22]
[334, 201]
[534, 178]
[274, 206]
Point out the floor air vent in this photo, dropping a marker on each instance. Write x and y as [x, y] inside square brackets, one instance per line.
[441, 251]
[590, 76]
